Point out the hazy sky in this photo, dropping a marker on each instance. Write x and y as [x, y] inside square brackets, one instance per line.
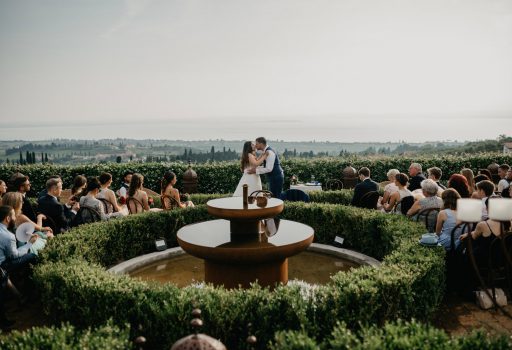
[339, 70]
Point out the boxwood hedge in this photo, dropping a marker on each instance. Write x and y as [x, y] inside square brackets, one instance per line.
[77, 288]
[222, 177]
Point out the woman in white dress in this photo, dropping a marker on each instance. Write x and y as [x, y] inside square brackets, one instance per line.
[249, 161]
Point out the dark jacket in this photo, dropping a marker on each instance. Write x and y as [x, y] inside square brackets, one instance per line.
[28, 210]
[415, 182]
[361, 189]
[59, 213]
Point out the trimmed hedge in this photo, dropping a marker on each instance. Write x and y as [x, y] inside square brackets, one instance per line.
[394, 335]
[223, 177]
[73, 280]
[67, 337]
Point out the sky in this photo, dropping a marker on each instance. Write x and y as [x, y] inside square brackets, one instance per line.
[329, 70]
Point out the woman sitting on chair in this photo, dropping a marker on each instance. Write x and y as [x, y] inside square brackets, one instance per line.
[429, 189]
[170, 194]
[395, 199]
[137, 200]
[447, 219]
[106, 193]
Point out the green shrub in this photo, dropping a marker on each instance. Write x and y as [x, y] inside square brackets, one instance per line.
[223, 177]
[67, 337]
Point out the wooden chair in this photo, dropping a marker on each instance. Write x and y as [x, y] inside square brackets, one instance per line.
[65, 195]
[406, 204]
[86, 215]
[134, 206]
[168, 203]
[429, 218]
[333, 185]
[369, 200]
[149, 192]
[107, 205]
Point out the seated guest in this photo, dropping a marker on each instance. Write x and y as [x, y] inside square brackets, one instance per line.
[3, 189]
[167, 189]
[502, 172]
[447, 219]
[470, 177]
[366, 185]
[506, 191]
[391, 187]
[88, 198]
[135, 191]
[431, 200]
[484, 190]
[106, 192]
[125, 184]
[485, 172]
[15, 200]
[460, 184]
[11, 257]
[395, 200]
[49, 205]
[79, 184]
[415, 176]
[22, 185]
[435, 174]
[44, 191]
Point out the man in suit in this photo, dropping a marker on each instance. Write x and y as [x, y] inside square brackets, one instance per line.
[366, 185]
[415, 176]
[49, 205]
[271, 166]
[22, 185]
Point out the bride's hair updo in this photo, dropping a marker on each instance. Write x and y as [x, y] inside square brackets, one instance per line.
[166, 180]
[244, 163]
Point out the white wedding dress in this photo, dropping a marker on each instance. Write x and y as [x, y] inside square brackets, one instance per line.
[252, 180]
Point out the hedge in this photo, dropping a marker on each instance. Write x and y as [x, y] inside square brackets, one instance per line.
[67, 337]
[73, 280]
[393, 336]
[223, 177]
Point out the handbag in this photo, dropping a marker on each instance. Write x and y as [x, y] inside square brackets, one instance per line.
[485, 302]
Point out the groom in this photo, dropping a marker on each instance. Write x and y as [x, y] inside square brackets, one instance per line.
[271, 166]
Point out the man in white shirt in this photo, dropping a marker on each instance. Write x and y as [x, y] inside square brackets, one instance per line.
[502, 172]
[272, 167]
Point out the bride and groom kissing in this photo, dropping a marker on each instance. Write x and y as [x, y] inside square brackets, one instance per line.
[258, 158]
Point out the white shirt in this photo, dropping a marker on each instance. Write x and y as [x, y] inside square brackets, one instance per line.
[503, 184]
[269, 165]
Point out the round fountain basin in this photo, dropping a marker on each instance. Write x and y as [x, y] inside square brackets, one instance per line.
[314, 266]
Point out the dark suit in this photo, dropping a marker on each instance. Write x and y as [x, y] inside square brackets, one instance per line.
[415, 182]
[60, 214]
[27, 209]
[361, 189]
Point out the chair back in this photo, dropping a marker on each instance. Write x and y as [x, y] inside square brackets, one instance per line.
[429, 218]
[333, 185]
[65, 195]
[134, 205]
[85, 215]
[369, 200]
[107, 205]
[406, 204]
[294, 195]
[168, 203]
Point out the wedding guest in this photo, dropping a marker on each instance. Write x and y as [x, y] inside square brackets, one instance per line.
[22, 185]
[447, 219]
[366, 185]
[485, 172]
[135, 191]
[3, 189]
[15, 200]
[431, 200]
[395, 200]
[460, 184]
[49, 205]
[44, 191]
[502, 172]
[79, 184]
[88, 199]
[391, 187]
[485, 190]
[125, 184]
[167, 189]
[435, 174]
[478, 178]
[415, 176]
[106, 192]
[470, 177]
[506, 191]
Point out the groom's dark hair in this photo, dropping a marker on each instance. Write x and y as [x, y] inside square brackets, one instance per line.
[261, 140]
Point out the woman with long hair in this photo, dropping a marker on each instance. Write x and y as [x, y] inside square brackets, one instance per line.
[460, 184]
[106, 193]
[167, 190]
[135, 191]
[470, 176]
[249, 161]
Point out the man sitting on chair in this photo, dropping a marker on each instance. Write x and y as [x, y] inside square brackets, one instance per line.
[366, 185]
[50, 206]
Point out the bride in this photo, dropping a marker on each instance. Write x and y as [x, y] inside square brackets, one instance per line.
[249, 161]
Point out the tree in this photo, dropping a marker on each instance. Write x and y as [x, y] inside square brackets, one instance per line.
[42, 158]
[21, 158]
[213, 153]
[28, 157]
[46, 157]
[118, 159]
[33, 157]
